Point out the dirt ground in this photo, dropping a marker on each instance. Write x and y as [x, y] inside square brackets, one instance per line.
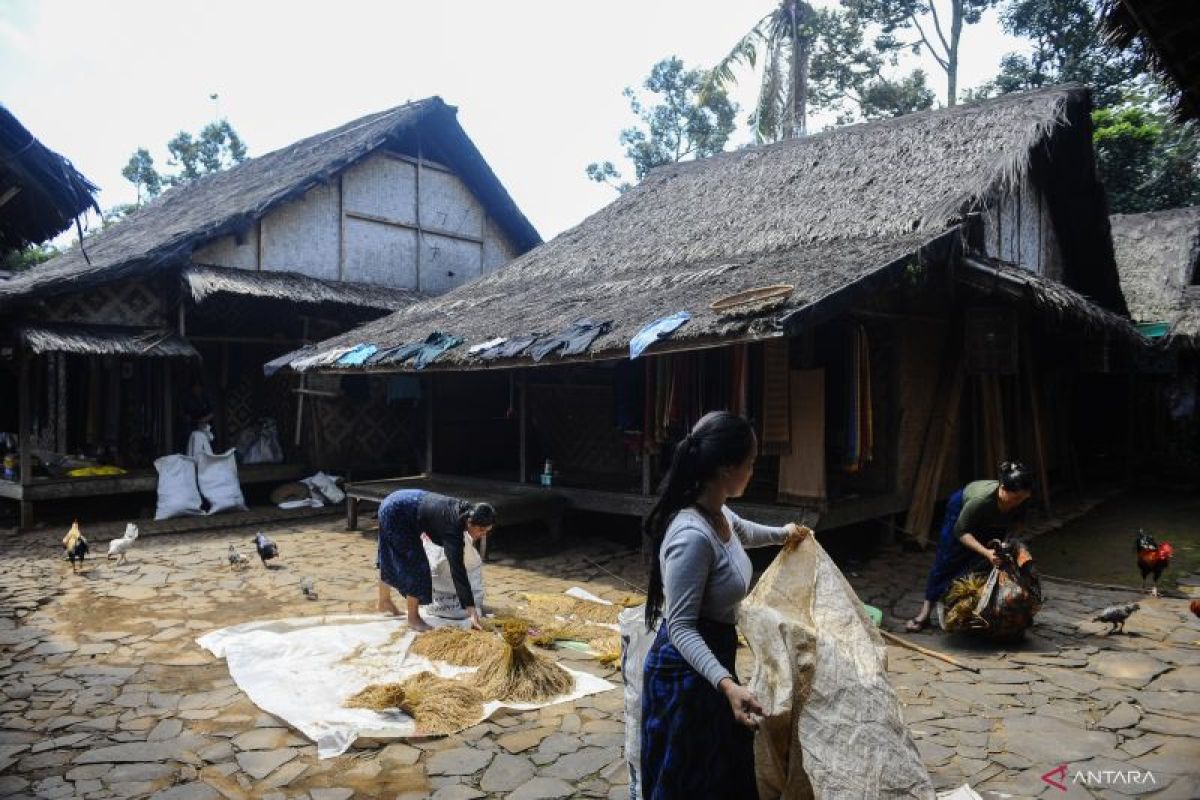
[107, 695]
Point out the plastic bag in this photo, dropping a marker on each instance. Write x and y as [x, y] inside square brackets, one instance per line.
[259, 444]
[218, 479]
[635, 645]
[178, 494]
[445, 597]
[832, 724]
[1008, 601]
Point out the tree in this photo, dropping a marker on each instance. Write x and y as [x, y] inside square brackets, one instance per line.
[918, 25]
[883, 98]
[678, 126]
[1146, 161]
[141, 173]
[31, 256]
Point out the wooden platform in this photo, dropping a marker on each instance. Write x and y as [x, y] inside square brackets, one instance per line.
[133, 482]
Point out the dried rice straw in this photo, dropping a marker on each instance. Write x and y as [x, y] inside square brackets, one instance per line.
[573, 606]
[961, 599]
[377, 697]
[441, 705]
[457, 646]
[519, 674]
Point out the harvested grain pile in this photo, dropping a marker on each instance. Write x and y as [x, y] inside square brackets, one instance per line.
[573, 606]
[456, 646]
[441, 705]
[518, 674]
[961, 599]
[377, 697]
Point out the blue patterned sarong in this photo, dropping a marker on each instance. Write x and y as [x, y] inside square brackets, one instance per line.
[401, 557]
[953, 558]
[692, 747]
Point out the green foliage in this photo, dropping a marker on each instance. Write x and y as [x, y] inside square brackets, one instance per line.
[18, 260]
[141, 173]
[677, 124]
[1146, 161]
[216, 147]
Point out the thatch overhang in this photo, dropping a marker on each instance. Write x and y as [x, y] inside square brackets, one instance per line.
[163, 233]
[827, 213]
[204, 283]
[1168, 32]
[1158, 256]
[41, 194]
[99, 340]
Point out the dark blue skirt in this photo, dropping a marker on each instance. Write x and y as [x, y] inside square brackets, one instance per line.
[952, 558]
[401, 558]
[692, 747]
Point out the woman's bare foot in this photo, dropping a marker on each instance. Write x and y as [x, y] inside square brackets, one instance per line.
[419, 625]
[389, 608]
[916, 624]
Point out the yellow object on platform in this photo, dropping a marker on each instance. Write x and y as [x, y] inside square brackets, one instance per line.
[96, 472]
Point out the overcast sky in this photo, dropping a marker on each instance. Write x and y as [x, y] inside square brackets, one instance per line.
[537, 84]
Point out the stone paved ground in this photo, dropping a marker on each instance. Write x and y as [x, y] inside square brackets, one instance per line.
[107, 695]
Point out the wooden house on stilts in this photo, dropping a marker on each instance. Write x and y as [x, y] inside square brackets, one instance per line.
[200, 287]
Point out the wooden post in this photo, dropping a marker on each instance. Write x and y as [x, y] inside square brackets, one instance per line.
[300, 394]
[429, 425]
[1029, 371]
[522, 388]
[417, 213]
[24, 439]
[168, 444]
[60, 402]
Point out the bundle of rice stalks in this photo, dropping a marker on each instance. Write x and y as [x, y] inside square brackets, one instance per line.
[961, 599]
[463, 648]
[519, 674]
[572, 606]
[377, 697]
[607, 650]
[441, 705]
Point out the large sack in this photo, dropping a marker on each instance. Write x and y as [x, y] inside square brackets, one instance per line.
[178, 495]
[635, 644]
[218, 479]
[832, 725]
[1000, 606]
[259, 443]
[445, 596]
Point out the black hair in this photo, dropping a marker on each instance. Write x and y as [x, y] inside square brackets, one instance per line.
[718, 440]
[481, 514]
[1016, 477]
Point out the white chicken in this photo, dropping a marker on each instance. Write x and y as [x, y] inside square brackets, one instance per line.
[121, 547]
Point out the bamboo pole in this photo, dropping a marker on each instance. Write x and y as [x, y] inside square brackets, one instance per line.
[925, 651]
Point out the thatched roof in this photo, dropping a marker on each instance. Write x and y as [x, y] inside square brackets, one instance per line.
[1158, 255]
[824, 213]
[40, 192]
[204, 283]
[164, 232]
[1168, 32]
[100, 340]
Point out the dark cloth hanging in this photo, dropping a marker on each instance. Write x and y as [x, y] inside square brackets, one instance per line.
[511, 348]
[421, 354]
[574, 340]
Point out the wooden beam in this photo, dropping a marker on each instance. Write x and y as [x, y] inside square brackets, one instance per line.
[342, 227]
[522, 402]
[395, 223]
[168, 444]
[1029, 372]
[417, 217]
[423, 162]
[24, 440]
[60, 402]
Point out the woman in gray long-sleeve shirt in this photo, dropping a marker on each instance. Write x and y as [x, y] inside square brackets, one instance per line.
[696, 718]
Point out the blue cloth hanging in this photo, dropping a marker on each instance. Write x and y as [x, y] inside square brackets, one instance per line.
[659, 329]
[357, 356]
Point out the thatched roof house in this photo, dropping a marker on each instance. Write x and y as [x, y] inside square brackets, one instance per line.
[40, 192]
[166, 232]
[828, 213]
[1168, 31]
[1158, 255]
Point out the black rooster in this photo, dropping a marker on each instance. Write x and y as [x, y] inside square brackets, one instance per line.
[265, 547]
[76, 546]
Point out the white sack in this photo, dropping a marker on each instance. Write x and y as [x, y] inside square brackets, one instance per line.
[635, 645]
[178, 494]
[261, 446]
[832, 724]
[302, 670]
[218, 479]
[324, 487]
[445, 596]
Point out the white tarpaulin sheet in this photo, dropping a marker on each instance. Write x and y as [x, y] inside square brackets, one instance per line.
[832, 725]
[303, 669]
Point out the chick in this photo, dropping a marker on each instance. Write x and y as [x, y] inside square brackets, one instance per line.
[1116, 616]
[265, 547]
[121, 547]
[308, 588]
[236, 559]
[76, 546]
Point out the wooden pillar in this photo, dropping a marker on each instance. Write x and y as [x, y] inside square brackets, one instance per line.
[24, 439]
[429, 425]
[168, 445]
[522, 388]
[1029, 370]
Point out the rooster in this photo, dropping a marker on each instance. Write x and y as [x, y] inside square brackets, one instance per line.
[76, 546]
[1152, 558]
[1194, 607]
[121, 547]
[1116, 616]
[265, 547]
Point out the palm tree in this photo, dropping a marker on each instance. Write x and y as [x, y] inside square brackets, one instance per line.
[785, 36]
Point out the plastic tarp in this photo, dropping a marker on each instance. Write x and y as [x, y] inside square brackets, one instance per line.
[832, 724]
[303, 669]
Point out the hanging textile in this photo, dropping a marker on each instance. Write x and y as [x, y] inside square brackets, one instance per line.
[802, 472]
[659, 329]
[860, 423]
[777, 435]
[574, 340]
[739, 380]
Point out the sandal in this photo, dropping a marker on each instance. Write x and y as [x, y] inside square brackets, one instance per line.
[916, 626]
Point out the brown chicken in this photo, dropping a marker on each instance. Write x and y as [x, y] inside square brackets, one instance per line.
[1152, 558]
[1195, 607]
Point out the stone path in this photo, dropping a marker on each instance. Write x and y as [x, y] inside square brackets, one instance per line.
[106, 695]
